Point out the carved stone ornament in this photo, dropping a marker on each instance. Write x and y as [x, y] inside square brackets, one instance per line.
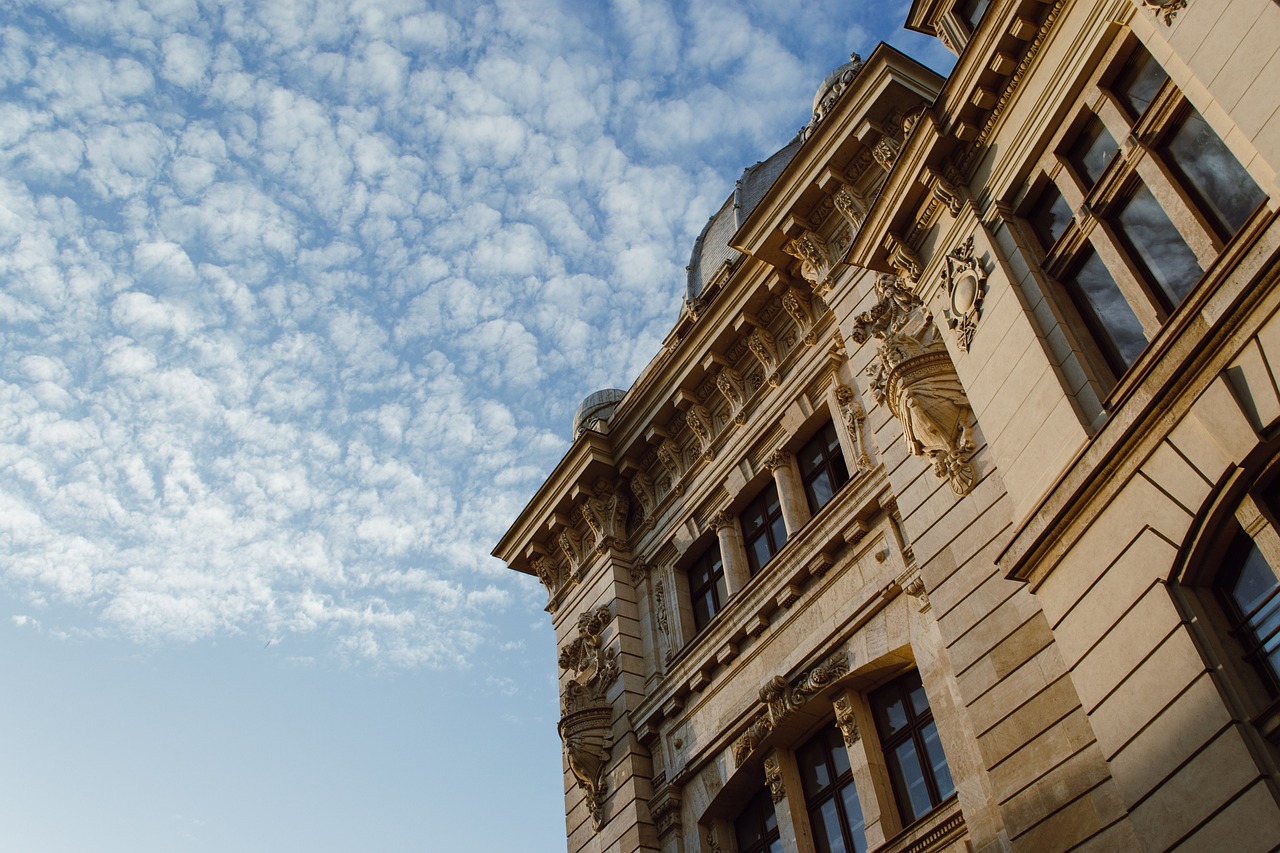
[660, 616]
[913, 376]
[664, 808]
[850, 206]
[570, 542]
[854, 417]
[549, 573]
[669, 455]
[729, 381]
[751, 738]
[885, 152]
[966, 284]
[643, 489]
[586, 722]
[904, 260]
[845, 720]
[837, 87]
[815, 259]
[606, 516]
[783, 699]
[1165, 9]
[699, 421]
[796, 304]
[773, 777]
[761, 344]
[777, 459]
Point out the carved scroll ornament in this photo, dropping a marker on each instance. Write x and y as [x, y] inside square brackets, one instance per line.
[796, 303]
[734, 391]
[913, 376]
[782, 698]
[586, 722]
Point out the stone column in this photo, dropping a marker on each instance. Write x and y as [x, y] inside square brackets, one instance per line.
[786, 476]
[733, 551]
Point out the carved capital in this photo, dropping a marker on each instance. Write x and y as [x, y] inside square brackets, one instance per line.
[777, 459]
[773, 777]
[854, 418]
[846, 721]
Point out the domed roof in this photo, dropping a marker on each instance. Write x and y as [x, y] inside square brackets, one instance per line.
[833, 86]
[712, 249]
[597, 407]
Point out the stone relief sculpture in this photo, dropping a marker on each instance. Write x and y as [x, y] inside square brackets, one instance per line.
[773, 777]
[586, 721]
[699, 421]
[669, 455]
[761, 344]
[660, 616]
[966, 283]
[1165, 9]
[850, 207]
[815, 259]
[606, 516]
[782, 698]
[751, 738]
[913, 376]
[643, 489]
[796, 304]
[845, 720]
[729, 381]
[854, 417]
[905, 261]
[885, 152]
[570, 542]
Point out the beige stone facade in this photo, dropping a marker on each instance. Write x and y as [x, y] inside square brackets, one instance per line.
[947, 516]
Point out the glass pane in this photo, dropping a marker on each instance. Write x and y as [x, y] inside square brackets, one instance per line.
[825, 823]
[1138, 83]
[891, 713]
[757, 824]
[752, 520]
[937, 760]
[779, 530]
[703, 609]
[758, 553]
[853, 815]
[1092, 151]
[1049, 216]
[814, 774]
[839, 755]
[1256, 581]
[1122, 337]
[1213, 174]
[919, 701]
[1159, 247]
[912, 788]
[820, 491]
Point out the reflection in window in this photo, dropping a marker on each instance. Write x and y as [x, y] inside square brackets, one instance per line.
[822, 468]
[1153, 240]
[1213, 174]
[1250, 594]
[763, 529]
[757, 826]
[1049, 215]
[912, 750]
[835, 814]
[707, 591]
[1137, 85]
[1092, 150]
[1115, 326]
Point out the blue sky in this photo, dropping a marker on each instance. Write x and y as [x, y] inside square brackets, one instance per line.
[296, 302]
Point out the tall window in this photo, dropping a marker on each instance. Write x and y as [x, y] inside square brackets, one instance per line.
[912, 750]
[762, 528]
[1248, 587]
[822, 468]
[1155, 216]
[757, 826]
[835, 814]
[707, 591]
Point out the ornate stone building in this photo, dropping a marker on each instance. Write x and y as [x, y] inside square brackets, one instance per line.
[948, 515]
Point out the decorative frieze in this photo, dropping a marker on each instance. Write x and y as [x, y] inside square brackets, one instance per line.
[913, 376]
[966, 285]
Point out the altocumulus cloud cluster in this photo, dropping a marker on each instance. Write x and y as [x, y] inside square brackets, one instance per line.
[296, 297]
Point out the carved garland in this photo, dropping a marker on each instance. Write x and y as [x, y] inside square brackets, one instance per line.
[854, 417]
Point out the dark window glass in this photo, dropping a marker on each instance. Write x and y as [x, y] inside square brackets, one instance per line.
[1157, 246]
[1105, 310]
[912, 750]
[762, 528]
[1138, 83]
[1250, 594]
[757, 826]
[822, 468]
[707, 591]
[1211, 172]
[1092, 150]
[972, 11]
[1049, 215]
[835, 814]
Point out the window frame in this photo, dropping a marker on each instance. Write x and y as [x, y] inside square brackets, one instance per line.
[772, 519]
[831, 462]
[917, 721]
[834, 791]
[767, 835]
[716, 585]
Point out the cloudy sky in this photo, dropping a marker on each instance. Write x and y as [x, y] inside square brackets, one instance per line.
[297, 299]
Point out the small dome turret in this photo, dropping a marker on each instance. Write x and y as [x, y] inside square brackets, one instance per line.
[597, 407]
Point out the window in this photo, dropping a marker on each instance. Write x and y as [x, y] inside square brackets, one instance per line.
[763, 529]
[707, 591]
[757, 826]
[1155, 214]
[1249, 592]
[912, 751]
[835, 814]
[971, 11]
[822, 468]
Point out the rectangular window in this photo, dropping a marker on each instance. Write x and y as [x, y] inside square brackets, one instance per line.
[1115, 327]
[1221, 186]
[757, 827]
[971, 11]
[912, 750]
[835, 813]
[707, 591]
[763, 529]
[822, 468]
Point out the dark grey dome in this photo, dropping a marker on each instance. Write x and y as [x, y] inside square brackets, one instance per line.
[833, 86]
[712, 249]
[597, 407]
